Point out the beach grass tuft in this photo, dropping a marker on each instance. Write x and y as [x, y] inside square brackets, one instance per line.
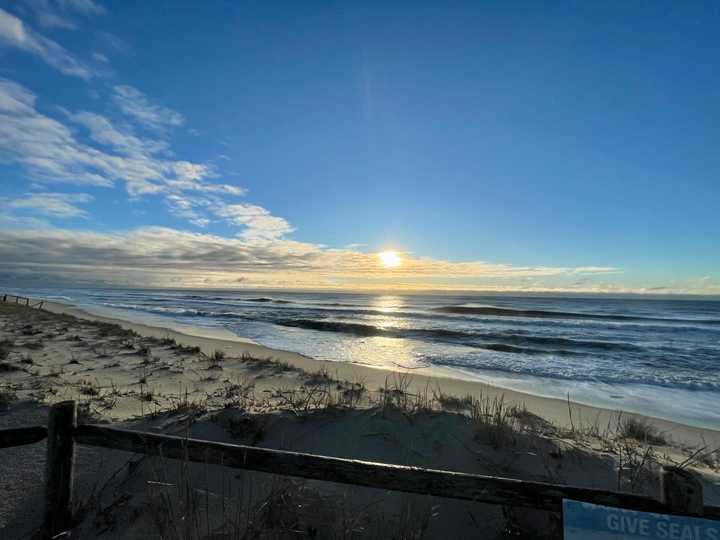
[641, 430]
[494, 421]
[88, 388]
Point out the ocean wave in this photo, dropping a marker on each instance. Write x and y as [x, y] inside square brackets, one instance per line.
[609, 375]
[502, 347]
[201, 297]
[158, 309]
[264, 299]
[450, 313]
[357, 329]
[542, 314]
[58, 297]
[499, 342]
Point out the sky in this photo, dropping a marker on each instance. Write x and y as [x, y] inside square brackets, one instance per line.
[499, 146]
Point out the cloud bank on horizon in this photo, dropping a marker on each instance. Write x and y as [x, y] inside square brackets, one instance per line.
[69, 167]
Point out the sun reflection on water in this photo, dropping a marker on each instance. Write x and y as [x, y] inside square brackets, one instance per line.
[383, 352]
[388, 303]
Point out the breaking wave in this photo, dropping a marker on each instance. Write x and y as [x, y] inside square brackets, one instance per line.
[542, 314]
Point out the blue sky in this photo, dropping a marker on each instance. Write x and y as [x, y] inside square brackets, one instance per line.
[495, 145]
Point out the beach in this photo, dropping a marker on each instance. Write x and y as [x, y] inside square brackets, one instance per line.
[211, 384]
[636, 354]
[554, 410]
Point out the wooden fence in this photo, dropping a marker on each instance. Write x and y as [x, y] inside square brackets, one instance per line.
[22, 300]
[681, 493]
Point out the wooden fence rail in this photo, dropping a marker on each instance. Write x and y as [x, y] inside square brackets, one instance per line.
[682, 492]
[22, 300]
[21, 436]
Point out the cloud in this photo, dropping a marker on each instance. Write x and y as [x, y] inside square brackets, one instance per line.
[46, 148]
[125, 142]
[185, 207]
[11, 219]
[58, 205]
[15, 99]
[258, 222]
[86, 7]
[163, 256]
[13, 33]
[100, 57]
[50, 151]
[148, 247]
[136, 105]
[60, 13]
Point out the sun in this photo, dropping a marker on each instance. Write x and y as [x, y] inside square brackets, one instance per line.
[389, 259]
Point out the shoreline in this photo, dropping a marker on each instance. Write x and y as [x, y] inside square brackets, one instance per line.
[564, 413]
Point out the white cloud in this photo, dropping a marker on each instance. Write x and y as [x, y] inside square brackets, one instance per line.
[49, 19]
[50, 151]
[185, 207]
[159, 247]
[86, 7]
[161, 256]
[11, 219]
[59, 205]
[100, 57]
[15, 99]
[13, 33]
[136, 105]
[125, 142]
[45, 147]
[60, 13]
[258, 222]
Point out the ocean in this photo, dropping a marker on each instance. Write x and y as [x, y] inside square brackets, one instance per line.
[659, 357]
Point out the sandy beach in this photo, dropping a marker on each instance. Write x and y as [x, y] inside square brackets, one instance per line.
[553, 410]
[220, 387]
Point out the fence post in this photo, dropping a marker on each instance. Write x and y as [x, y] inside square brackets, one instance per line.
[60, 461]
[682, 492]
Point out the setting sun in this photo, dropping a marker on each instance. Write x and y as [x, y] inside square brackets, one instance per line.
[389, 259]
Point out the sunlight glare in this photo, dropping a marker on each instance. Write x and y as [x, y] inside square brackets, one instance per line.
[389, 259]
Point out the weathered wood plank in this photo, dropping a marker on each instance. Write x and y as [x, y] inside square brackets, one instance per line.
[682, 491]
[60, 463]
[454, 485]
[21, 436]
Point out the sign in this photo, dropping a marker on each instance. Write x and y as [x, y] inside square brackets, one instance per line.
[585, 521]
